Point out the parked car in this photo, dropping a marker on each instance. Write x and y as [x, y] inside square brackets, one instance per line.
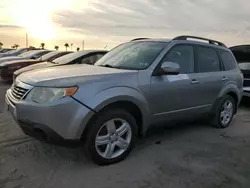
[33, 54]
[136, 85]
[242, 55]
[4, 50]
[8, 68]
[81, 57]
[14, 52]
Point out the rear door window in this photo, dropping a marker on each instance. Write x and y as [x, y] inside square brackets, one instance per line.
[207, 60]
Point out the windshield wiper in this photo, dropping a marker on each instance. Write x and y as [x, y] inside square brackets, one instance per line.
[109, 66]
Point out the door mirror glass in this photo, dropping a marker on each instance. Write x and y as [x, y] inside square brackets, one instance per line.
[170, 68]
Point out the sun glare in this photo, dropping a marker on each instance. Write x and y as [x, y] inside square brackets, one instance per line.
[36, 16]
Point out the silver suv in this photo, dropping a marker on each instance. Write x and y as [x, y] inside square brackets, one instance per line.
[136, 85]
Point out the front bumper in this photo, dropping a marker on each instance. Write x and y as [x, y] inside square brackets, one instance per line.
[63, 120]
[246, 91]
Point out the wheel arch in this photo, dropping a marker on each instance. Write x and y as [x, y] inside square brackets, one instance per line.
[125, 98]
[231, 90]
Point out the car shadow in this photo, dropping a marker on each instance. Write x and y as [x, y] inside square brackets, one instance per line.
[245, 103]
[77, 155]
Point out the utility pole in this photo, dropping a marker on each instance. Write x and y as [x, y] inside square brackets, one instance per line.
[83, 45]
[27, 42]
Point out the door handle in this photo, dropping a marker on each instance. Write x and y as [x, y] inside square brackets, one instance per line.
[195, 81]
[224, 78]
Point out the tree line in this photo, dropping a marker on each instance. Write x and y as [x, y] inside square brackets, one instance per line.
[42, 45]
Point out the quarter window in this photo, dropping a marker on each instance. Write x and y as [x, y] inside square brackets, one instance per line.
[207, 60]
[228, 60]
[182, 55]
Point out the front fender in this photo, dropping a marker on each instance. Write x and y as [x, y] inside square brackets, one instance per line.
[117, 94]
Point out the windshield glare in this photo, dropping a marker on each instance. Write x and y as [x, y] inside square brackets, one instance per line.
[28, 54]
[67, 58]
[13, 51]
[47, 56]
[132, 55]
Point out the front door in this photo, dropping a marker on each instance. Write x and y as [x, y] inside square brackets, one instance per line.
[171, 96]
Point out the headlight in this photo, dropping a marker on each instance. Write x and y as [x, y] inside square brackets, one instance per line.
[45, 94]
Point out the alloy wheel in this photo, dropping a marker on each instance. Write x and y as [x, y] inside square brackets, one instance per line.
[113, 138]
[226, 112]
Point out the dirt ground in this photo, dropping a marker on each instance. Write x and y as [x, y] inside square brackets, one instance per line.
[184, 156]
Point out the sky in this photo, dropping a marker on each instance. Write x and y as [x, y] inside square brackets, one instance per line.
[107, 23]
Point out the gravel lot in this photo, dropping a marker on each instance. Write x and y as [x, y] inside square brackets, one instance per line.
[190, 155]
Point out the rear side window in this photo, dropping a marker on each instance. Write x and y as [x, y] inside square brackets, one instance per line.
[228, 60]
[207, 60]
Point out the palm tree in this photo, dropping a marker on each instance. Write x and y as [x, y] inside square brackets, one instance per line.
[66, 46]
[77, 49]
[16, 46]
[13, 47]
[1, 45]
[42, 45]
[56, 47]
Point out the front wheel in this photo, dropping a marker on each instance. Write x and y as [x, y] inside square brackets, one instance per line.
[224, 112]
[110, 138]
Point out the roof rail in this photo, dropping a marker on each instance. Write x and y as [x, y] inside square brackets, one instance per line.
[139, 39]
[185, 37]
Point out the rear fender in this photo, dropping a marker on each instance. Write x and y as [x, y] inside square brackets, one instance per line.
[229, 88]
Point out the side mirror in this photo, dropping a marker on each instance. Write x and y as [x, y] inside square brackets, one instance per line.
[170, 68]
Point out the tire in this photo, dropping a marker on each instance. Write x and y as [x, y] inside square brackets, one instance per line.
[100, 126]
[217, 120]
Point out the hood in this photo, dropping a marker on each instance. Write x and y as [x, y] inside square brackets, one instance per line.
[244, 66]
[70, 75]
[14, 62]
[9, 58]
[35, 66]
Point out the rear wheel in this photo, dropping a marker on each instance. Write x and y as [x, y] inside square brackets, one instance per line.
[111, 137]
[224, 112]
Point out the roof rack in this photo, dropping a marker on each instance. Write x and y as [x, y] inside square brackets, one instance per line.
[185, 37]
[139, 39]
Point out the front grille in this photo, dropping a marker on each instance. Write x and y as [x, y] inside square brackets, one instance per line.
[246, 83]
[246, 73]
[18, 92]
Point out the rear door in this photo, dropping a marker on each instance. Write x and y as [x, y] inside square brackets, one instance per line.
[209, 78]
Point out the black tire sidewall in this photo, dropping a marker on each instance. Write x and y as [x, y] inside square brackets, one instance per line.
[219, 108]
[102, 118]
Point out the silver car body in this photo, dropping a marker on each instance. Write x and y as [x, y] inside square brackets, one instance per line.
[159, 98]
[29, 55]
[14, 52]
[51, 64]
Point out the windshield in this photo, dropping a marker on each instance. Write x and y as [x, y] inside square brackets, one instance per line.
[48, 56]
[132, 55]
[68, 58]
[5, 50]
[29, 53]
[242, 54]
[13, 51]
